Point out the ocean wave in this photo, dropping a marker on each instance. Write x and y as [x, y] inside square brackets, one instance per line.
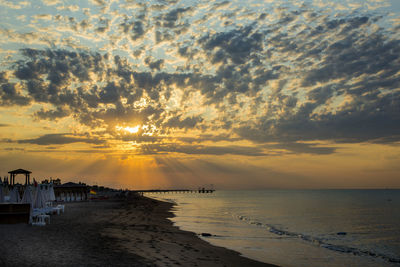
[318, 241]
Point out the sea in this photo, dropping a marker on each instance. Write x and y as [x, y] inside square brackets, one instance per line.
[296, 227]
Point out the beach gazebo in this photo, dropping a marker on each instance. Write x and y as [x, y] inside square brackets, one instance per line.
[19, 171]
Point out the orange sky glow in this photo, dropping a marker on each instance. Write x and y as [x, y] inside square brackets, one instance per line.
[142, 95]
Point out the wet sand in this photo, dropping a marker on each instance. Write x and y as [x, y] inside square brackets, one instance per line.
[118, 232]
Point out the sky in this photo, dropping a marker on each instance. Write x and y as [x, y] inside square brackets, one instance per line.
[181, 94]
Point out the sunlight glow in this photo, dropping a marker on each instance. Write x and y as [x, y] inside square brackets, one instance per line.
[128, 129]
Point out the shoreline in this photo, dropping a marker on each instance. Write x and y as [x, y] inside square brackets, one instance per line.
[134, 231]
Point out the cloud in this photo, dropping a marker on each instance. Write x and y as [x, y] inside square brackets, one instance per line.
[237, 45]
[51, 2]
[188, 122]
[294, 75]
[52, 115]
[12, 5]
[60, 139]
[10, 93]
[154, 64]
[98, 2]
[209, 137]
[43, 16]
[201, 150]
[304, 148]
[170, 19]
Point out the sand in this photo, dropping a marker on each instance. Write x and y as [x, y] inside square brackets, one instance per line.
[117, 232]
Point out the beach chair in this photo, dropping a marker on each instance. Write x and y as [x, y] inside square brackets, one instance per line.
[38, 223]
[61, 207]
[53, 210]
[56, 210]
[45, 218]
[49, 209]
[39, 220]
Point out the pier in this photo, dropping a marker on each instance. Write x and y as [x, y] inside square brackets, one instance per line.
[160, 191]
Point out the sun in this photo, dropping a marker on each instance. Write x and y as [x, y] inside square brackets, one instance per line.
[132, 129]
[129, 129]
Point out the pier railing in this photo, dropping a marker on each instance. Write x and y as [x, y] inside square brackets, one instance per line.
[201, 191]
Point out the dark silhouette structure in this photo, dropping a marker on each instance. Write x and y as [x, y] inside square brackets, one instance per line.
[19, 171]
[201, 190]
[11, 213]
[71, 192]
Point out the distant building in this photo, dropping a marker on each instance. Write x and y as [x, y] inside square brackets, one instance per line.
[71, 192]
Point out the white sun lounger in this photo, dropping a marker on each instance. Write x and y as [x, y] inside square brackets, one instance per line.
[40, 220]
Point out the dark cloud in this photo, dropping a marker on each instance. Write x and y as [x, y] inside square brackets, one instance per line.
[98, 2]
[10, 96]
[60, 139]
[209, 137]
[3, 77]
[103, 25]
[237, 45]
[51, 115]
[221, 4]
[135, 29]
[111, 93]
[188, 122]
[355, 55]
[392, 140]
[14, 149]
[187, 51]
[162, 36]
[170, 19]
[303, 148]
[322, 94]
[358, 66]
[348, 89]
[98, 150]
[358, 122]
[154, 64]
[201, 150]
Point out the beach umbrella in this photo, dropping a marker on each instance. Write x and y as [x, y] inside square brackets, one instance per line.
[1, 194]
[39, 202]
[34, 190]
[45, 192]
[52, 196]
[14, 195]
[27, 197]
[6, 191]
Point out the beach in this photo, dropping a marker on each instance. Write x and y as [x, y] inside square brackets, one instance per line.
[133, 231]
